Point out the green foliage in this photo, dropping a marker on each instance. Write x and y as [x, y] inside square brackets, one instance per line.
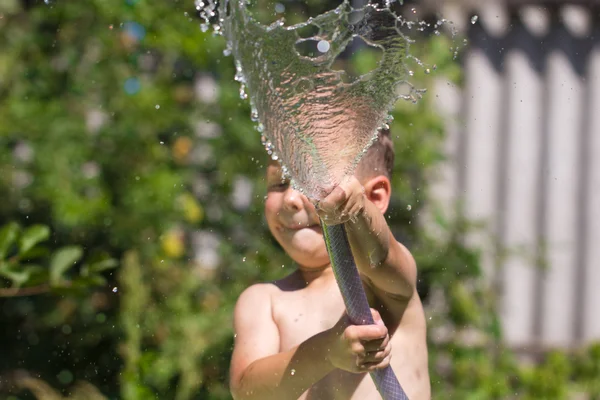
[123, 137]
[26, 263]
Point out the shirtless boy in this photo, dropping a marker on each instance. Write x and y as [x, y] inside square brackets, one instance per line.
[293, 339]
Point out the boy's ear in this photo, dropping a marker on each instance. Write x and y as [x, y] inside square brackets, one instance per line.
[379, 191]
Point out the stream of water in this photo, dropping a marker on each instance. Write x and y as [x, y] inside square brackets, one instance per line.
[316, 119]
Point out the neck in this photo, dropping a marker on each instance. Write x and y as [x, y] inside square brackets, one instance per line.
[316, 274]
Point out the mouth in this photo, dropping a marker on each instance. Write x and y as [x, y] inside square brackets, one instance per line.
[297, 227]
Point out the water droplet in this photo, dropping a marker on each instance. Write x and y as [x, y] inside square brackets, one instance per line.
[292, 372]
[115, 289]
[157, 106]
[203, 27]
[411, 73]
[409, 207]
[161, 142]
[414, 10]
[474, 19]
[323, 46]
[243, 94]
[244, 259]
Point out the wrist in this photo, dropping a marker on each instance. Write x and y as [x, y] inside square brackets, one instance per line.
[333, 339]
[329, 340]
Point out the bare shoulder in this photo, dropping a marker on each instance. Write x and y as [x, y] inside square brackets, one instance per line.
[259, 292]
[262, 295]
[254, 306]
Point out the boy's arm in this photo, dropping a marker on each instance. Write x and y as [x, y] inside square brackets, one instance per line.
[260, 371]
[257, 368]
[387, 264]
[384, 261]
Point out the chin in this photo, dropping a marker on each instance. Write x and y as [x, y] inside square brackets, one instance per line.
[316, 262]
[307, 247]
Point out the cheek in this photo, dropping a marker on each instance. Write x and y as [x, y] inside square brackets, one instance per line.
[272, 205]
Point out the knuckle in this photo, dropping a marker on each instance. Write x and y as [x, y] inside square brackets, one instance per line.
[351, 333]
[357, 349]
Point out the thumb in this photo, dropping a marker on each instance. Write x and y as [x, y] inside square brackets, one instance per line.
[377, 317]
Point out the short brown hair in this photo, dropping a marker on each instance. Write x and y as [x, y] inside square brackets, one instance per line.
[379, 159]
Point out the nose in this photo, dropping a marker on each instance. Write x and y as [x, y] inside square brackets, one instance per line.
[293, 200]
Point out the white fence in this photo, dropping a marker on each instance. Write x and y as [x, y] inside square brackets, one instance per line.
[524, 148]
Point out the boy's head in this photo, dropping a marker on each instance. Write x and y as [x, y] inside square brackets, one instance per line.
[379, 159]
[292, 218]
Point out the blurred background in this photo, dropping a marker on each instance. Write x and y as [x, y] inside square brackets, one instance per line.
[131, 190]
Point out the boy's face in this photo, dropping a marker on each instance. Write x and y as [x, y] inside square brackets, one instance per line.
[294, 222]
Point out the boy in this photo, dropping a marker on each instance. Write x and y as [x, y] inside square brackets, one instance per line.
[293, 339]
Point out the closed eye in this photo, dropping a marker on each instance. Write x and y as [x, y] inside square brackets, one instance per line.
[279, 186]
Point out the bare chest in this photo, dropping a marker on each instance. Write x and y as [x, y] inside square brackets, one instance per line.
[302, 314]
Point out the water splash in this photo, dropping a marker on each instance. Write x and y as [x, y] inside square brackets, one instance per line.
[311, 119]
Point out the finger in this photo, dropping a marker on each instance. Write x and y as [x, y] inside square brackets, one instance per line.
[370, 367]
[367, 333]
[375, 356]
[352, 333]
[329, 218]
[380, 353]
[354, 202]
[358, 349]
[334, 200]
[377, 345]
[376, 317]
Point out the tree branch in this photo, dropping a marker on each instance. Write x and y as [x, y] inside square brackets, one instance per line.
[23, 292]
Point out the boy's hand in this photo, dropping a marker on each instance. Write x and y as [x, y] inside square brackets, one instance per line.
[344, 203]
[360, 348]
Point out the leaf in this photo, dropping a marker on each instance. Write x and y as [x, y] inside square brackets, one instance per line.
[38, 274]
[88, 281]
[36, 252]
[32, 236]
[61, 261]
[8, 235]
[99, 266]
[18, 278]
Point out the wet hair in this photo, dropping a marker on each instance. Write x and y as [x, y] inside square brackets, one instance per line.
[379, 159]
